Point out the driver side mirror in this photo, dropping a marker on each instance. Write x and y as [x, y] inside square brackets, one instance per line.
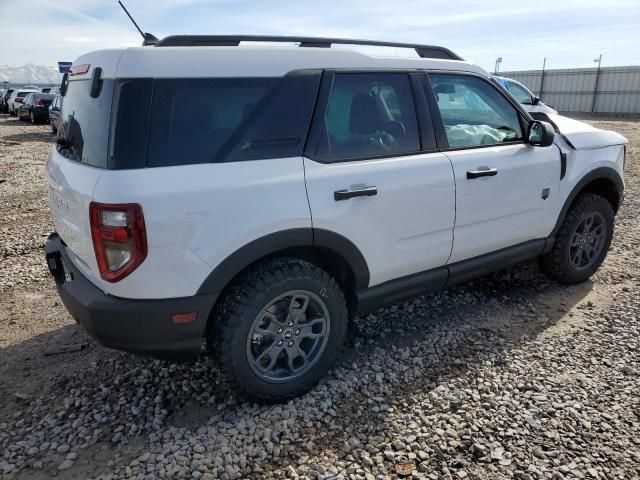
[541, 134]
[535, 100]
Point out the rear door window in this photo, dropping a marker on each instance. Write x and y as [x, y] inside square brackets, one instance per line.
[474, 113]
[369, 115]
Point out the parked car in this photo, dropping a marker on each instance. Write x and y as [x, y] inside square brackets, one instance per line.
[264, 200]
[4, 99]
[54, 113]
[35, 107]
[17, 98]
[525, 96]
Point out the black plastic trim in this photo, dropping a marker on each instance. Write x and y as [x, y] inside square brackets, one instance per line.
[424, 51]
[262, 247]
[139, 326]
[347, 250]
[605, 173]
[442, 277]
[425, 124]
[403, 288]
[490, 262]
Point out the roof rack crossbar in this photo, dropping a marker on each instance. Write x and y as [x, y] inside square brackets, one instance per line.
[424, 51]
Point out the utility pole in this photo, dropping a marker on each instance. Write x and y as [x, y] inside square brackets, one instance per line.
[595, 84]
[544, 64]
[496, 69]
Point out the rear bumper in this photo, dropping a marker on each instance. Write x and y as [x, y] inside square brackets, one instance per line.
[139, 326]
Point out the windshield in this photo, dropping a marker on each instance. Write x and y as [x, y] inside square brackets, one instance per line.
[84, 127]
[521, 94]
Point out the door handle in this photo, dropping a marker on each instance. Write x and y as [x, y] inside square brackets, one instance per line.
[356, 192]
[482, 172]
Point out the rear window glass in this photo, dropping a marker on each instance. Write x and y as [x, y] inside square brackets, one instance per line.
[85, 123]
[43, 96]
[192, 119]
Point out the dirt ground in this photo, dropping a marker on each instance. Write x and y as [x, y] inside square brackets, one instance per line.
[557, 369]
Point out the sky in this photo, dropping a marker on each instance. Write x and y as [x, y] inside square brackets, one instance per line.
[569, 33]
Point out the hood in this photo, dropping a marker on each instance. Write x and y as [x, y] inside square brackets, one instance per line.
[583, 136]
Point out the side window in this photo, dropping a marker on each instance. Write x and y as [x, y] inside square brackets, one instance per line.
[521, 94]
[474, 112]
[369, 115]
[192, 119]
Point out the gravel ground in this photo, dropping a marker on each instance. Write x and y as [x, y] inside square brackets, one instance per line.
[511, 376]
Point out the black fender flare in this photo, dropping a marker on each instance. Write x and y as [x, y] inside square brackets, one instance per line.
[600, 173]
[253, 251]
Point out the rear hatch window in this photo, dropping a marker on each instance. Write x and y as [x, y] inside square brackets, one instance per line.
[84, 123]
[145, 122]
[44, 99]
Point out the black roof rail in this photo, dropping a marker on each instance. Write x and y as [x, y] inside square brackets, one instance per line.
[424, 51]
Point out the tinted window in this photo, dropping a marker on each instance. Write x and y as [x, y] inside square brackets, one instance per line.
[521, 94]
[130, 125]
[369, 115]
[192, 119]
[474, 112]
[85, 122]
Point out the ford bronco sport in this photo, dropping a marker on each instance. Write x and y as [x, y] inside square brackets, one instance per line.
[257, 198]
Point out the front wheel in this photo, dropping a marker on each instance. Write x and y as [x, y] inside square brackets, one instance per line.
[279, 328]
[582, 242]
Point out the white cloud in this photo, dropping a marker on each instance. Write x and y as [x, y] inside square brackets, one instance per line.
[569, 32]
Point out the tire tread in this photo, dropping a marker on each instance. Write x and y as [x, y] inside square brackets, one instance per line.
[554, 263]
[239, 297]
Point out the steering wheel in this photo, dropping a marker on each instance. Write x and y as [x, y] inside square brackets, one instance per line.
[394, 128]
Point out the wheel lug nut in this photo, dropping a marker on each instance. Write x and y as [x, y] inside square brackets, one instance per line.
[290, 344]
[297, 332]
[279, 330]
[279, 343]
[290, 324]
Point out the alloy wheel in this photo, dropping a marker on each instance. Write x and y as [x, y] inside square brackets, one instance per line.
[288, 336]
[587, 241]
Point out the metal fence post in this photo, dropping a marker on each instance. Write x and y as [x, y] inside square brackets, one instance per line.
[595, 85]
[544, 63]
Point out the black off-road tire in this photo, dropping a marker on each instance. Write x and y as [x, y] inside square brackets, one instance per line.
[235, 314]
[557, 264]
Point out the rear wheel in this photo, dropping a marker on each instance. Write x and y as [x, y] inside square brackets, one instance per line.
[582, 242]
[279, 329]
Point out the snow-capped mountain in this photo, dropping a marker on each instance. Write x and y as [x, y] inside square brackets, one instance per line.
[29, 73]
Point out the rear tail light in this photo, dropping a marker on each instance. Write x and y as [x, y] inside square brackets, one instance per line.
[119, 238]
[40, 103]
[18, 100]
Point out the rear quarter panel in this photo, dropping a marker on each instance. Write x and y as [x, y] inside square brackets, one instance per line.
[197, 215]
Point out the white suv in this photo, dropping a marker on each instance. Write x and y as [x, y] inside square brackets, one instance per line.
[259, 197]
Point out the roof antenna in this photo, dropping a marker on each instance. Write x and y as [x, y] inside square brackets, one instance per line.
[147, 38]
